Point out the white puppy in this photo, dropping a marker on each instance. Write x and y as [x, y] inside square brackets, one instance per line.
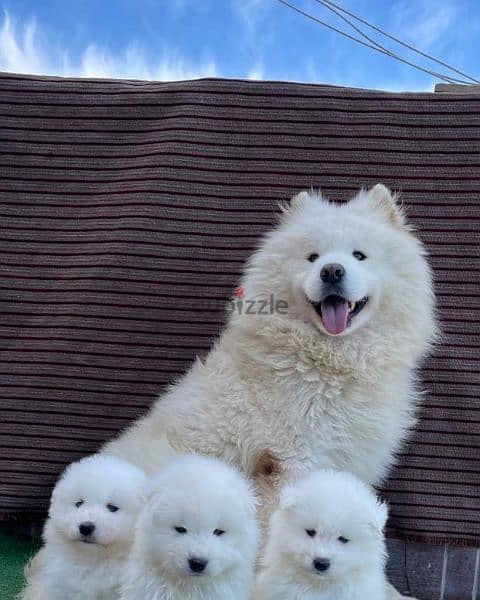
[89, 532]
[196, 538]
[325, 542]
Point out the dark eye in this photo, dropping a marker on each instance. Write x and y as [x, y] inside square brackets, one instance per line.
[79, 503]
[180, 530]
[112, 507]
[359, 255]
[218, 532]
[343, 540]
[311, 532]
[313, 257]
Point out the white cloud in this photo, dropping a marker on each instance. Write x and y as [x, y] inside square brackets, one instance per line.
[21, 51]
[434, 26]
[256, 72]
[132, 64]
[29, 48]
[252, 15]
[24, 49]
[426, 23]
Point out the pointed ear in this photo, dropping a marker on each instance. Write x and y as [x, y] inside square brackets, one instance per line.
[253, 503]
[381, 199]
[154, 497]
[287, 208]
[154, 489]
[380, 517]
[157, 504]
[300, 200]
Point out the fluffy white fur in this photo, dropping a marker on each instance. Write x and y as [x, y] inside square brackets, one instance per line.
[72, 566]
[325, 542]
[278, 395]
[215, 507]
[279, 384]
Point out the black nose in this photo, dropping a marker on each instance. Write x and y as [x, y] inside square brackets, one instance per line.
[332, 273]
[86, 528]
[321, 564]
[197, 565]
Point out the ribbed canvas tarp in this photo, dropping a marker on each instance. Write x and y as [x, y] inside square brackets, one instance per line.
[126, 212]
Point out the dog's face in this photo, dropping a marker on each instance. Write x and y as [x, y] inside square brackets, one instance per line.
[196, 541]
[200, 528]
[340, 267]
[97, 501]
[326, 532]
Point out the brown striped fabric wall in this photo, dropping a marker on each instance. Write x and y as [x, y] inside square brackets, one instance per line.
[126, 212]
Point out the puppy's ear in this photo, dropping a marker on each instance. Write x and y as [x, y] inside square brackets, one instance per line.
[253, 500]
[154, 495]
[300, 200]
[381, 199]
[154, 491]
[379, 518]
[156, 505]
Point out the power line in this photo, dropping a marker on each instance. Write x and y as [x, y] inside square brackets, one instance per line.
[326, 4]
[332, 6]
[374, 46]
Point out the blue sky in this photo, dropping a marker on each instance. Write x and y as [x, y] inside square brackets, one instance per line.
[258, 39]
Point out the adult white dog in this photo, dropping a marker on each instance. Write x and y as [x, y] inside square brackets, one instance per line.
[325, 542]
[89, 531]
[316, 366]
[196, 538]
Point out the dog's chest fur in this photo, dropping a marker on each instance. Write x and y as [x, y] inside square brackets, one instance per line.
[279, 402]
[288, 408]
[323, 419]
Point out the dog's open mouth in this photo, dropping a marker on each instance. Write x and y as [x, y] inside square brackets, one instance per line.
[337, 312]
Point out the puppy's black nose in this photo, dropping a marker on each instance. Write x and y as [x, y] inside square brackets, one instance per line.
[86, 528]
[197, 565]
[332, 273]
[321, 564]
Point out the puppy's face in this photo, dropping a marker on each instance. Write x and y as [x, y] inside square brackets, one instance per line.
[97, 502]
[324, 538]
[327, 551]
[188, 538]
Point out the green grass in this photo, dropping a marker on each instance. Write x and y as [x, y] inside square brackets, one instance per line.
[14, 554]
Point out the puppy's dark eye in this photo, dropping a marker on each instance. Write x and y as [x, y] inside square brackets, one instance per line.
[180, 529]
[79, 503]
[313, 257]
[359, 255]
[218, 532]
[311, 532]
[343, 540]
[112, 507]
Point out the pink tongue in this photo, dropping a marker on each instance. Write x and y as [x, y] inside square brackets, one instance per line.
[335, 316]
